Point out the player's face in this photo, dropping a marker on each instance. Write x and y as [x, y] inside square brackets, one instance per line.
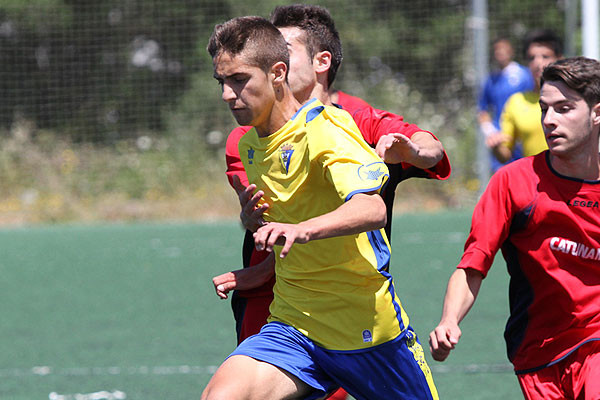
[539, 56]
[503, 53]
[567, 119]
[245, 88]
[301, 77]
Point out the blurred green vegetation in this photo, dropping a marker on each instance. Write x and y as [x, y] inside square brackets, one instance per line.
[53, 179]
[109, 109]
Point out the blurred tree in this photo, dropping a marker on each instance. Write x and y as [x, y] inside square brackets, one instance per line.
[95, 70]
[101, 71]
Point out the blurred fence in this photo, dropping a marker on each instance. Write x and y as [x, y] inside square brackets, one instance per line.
[104, 73]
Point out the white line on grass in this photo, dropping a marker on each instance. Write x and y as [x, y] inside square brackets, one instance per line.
[107, 371]
[472, 368]
[208, 370]
[429, 237]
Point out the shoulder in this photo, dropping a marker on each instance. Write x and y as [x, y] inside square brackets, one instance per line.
[515, 185]
[518, 76]
[521, 173]
[235, 135]
[515, 68]
[320, 113]
[319, 121]
[522, 165]
[329, 126]
[531, 97]
[513, 100]
[351, 103]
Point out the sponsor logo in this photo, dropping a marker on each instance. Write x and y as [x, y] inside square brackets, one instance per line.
[583, 203]
[371, 172]
[367, 336]
[285, 155]
[250, 155]
[574, 248]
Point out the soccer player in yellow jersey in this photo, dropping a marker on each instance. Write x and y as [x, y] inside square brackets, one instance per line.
[335, 318]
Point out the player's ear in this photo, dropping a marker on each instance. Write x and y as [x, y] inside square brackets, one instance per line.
[322, 61]
[279, 73]
[596, 114]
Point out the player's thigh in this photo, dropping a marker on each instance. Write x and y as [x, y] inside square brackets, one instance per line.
[401, 371]
[544, 384]
[587, 380]
[242, 377]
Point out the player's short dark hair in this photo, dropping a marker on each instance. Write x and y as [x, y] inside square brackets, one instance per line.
[579, 73]
[265, 43]
[319, 28]
[544, 37]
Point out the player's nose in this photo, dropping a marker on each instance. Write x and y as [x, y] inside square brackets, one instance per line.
[228, 93]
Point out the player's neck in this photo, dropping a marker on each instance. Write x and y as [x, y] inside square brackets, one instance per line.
[583, 165]
[321, 92]
[282, 111]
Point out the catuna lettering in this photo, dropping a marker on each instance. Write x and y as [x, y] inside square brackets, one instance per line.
[577, 249]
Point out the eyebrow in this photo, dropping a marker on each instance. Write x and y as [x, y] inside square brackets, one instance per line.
[556, 103]
[217, 76]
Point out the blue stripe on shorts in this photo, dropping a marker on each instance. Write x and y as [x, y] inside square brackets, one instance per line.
[387, 371]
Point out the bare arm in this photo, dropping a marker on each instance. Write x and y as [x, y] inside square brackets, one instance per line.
[461, 293]
[246, 278]
[485, 124]
[422, 150]
[362, 213]
[498, 144]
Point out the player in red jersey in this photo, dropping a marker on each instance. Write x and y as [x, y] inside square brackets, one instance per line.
[543, 212]
[315, 55]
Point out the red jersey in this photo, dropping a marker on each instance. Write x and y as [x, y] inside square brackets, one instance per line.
[373, 124]
[350, 103]
[548, 228]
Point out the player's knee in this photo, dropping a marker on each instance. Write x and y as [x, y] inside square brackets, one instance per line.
[219, 392]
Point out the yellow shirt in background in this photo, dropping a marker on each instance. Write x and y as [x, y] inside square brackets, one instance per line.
[521, 121]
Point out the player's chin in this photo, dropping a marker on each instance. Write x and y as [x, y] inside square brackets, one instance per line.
[241, 116]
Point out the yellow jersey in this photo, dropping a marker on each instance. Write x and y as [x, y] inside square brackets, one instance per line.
[336, 291]
[521, 122]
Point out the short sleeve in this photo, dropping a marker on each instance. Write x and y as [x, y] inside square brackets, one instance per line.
[232, 155]
[348, 161]
[490, 225]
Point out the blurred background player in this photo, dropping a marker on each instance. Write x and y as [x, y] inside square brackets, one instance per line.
[543, 212]
[520, 119]
[315, 56]
[509, 78]
[335, 312]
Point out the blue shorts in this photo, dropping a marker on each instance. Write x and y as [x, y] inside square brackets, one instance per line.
[393, 370]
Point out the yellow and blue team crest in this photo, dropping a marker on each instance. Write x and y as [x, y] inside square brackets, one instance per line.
[285, 155]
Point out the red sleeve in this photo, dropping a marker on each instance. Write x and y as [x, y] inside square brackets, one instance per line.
[374, 124]
[351, 103]
[232, 155]
[490, 224]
